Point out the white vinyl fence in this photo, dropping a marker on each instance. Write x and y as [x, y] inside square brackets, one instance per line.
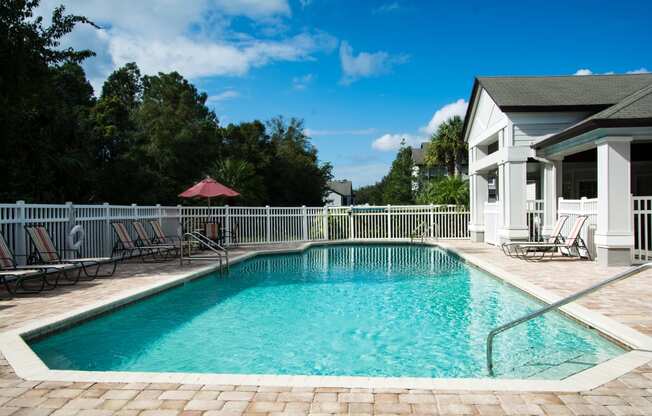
[492, 220]
[642, 207]
[246, 225]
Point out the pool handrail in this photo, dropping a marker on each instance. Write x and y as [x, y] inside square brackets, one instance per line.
[556, 305]
[209, 244]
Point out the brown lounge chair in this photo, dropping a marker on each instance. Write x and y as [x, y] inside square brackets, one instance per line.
[128, 247]
[45, 253]
[11, 272]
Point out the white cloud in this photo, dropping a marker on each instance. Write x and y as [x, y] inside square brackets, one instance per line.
[366, 64]
[194, 58]
[457, 108]
[302, 82]
[587, 71]
[386, 8]
[354, 132]
[224, 95]
[583, 71]
[390, 142]
[195, 38]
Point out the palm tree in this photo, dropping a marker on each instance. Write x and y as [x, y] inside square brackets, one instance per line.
[448, 190]
[447, 146]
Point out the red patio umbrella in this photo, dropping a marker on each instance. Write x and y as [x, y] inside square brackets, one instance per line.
[208, 188]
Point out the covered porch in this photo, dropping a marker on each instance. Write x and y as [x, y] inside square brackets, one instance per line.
[602, 175]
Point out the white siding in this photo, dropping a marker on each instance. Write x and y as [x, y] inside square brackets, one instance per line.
[532, 127]
[487, 114]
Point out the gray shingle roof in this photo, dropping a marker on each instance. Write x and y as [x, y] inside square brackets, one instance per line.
[633, 110]
[343, 187]
[557, 91]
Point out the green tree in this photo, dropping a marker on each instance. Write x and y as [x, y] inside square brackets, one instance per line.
[397, 188]
[178, 136]
[241, 176]
[295, 177]
[38, 97]
[371, 194]
[447, 146]
[447, 190]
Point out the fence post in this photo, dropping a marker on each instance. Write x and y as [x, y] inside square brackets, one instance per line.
[227, 220]
[159, 213]
[389, 221]
[351, 224]
[180, 225]
[268, 226]
[106, 241]
[325, 222]
[304, 222]
[432, 221]
[20, 248]
[582, 205]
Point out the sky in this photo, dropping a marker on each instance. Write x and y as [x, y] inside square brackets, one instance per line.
[363, 75]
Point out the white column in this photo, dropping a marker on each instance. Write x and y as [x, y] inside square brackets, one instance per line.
[479, 193]
[512, 179]
[550, 192]
[614, 237]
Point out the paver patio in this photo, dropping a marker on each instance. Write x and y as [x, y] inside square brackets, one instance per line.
[628, 302]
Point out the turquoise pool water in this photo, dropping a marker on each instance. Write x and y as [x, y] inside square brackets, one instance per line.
[361, 310]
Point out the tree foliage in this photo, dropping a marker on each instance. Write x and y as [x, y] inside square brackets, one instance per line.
[394, 188]
[447, 190]
[145, 139]
[447, 146]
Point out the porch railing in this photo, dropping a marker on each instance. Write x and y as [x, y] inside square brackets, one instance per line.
[534, 217]
[249, 225]
[642, 208]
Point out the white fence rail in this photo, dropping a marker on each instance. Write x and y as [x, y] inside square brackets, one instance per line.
[491, 222]
[575, 207]
[247, 225]
[642, 207]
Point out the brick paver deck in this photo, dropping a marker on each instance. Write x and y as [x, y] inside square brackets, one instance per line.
[629, 302]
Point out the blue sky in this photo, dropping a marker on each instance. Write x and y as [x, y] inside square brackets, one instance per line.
[362, 74]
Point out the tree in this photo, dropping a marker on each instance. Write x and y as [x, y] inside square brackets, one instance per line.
[447, 146]
[447, 190]
[295, 177]
[178, 136]
[241, 176]
[397, 187]
[35, 103]
[371, 194]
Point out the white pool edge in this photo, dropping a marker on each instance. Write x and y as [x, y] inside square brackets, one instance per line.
[28, 366]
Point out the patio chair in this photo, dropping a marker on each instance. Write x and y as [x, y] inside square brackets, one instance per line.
[45, 253]
[144, 240]
[572, 244]
[216, 233]
[128, 247]
[509, 249]
[12, 272]
[160, 237]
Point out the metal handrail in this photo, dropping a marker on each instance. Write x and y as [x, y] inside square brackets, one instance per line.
[413, 234]
[209, 244]
[620, 276]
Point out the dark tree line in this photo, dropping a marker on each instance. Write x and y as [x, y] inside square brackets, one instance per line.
[144, 139]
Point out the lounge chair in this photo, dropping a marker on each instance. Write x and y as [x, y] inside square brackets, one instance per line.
[128, 247]
[144, 240]
[554, 238]
[160, 237]
[572, 245]
[45, 253]
[12, 272]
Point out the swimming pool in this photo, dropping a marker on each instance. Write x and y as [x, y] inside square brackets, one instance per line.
[357, 310]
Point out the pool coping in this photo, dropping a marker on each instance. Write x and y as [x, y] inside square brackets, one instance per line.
[28, 366]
